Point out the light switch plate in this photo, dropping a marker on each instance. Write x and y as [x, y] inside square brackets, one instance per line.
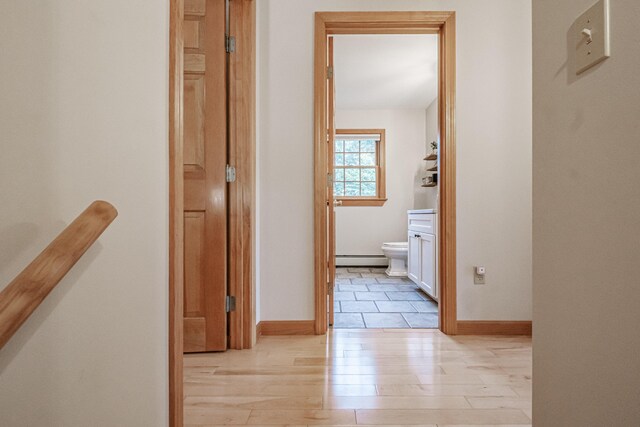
[592, 36]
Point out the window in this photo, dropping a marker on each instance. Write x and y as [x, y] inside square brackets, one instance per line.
[359, 175]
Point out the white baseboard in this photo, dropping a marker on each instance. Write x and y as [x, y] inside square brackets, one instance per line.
[361, 260]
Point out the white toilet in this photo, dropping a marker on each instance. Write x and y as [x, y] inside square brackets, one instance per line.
[396, 252]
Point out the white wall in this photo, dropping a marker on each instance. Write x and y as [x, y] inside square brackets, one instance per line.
[586, 203]
[83, 116]
[493, 159]
[362, 230]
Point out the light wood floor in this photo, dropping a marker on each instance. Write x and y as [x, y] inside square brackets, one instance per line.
[364, 377]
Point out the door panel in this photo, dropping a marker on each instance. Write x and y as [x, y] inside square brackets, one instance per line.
[205, 159]
[331, 131]
[427, 263]
[413, 267]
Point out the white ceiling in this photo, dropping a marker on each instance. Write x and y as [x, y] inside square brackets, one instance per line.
[385, 71]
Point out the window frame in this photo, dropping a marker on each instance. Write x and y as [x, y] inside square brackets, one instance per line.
[381, 196]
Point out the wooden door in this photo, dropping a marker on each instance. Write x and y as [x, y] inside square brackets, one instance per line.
[428, 263]
[205, 186]
[331, 228]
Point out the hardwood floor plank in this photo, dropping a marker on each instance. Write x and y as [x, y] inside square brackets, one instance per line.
[209, 416]
[442, 416]
[500, 402]
[460, 379]
[253, 402]
[329, 377]
[396, 402]
[282, 390]
[445, 390]
[484, 425]
[363, 377]
[310, 417]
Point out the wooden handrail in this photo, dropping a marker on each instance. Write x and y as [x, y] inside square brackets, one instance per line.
[25, 293]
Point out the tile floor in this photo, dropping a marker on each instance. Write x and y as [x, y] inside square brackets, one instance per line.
[367, 298]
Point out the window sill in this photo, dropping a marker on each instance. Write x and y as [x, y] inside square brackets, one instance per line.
[361, 201]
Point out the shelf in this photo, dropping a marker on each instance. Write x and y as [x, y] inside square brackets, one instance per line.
[433, 184]
[433, 169]
[431, 157]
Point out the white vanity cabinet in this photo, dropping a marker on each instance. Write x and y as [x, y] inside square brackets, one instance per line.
[413, 257]
[422, 256]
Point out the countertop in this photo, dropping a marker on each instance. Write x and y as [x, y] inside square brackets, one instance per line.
[422, 211]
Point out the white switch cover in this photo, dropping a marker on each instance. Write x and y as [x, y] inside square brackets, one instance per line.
[592, 36]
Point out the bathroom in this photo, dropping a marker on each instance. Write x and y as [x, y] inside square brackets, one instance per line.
[385, 181]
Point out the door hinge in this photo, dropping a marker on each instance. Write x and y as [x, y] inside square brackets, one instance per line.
[329, 180]
[330, 72]
[230, 44]
[230, 304]
[231, 173]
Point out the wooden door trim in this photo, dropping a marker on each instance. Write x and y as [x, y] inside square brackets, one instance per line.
[443, 24]
[330, 152]
[242, 155]
[176, 222]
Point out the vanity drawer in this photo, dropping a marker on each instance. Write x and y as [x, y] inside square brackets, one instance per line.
[423, 223]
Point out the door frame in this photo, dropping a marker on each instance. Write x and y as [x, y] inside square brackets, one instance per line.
[176, 208]
[242, 324]
[443, 24]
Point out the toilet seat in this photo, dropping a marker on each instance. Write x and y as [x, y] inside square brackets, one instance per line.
[396, 245]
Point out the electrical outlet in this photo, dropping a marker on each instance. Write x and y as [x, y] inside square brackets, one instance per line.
[479, 275]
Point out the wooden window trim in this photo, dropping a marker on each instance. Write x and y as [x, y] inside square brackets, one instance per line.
[381, 174]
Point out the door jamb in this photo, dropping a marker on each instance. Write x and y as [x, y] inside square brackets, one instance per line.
[176, 208]
[443, 24]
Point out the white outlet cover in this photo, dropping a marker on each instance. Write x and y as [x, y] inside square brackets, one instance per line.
[595, 20]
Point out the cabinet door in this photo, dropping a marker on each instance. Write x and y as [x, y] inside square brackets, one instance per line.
[428, 264]
[413, 267]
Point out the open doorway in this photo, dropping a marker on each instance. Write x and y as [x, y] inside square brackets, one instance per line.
[385, 179]
[357, 133]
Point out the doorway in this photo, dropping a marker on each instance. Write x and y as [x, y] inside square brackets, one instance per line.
[218, 156]
[216, 38]
[384, 166]
[330, 25]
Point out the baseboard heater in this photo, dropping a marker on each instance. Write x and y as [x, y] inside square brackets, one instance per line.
[361, 260]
